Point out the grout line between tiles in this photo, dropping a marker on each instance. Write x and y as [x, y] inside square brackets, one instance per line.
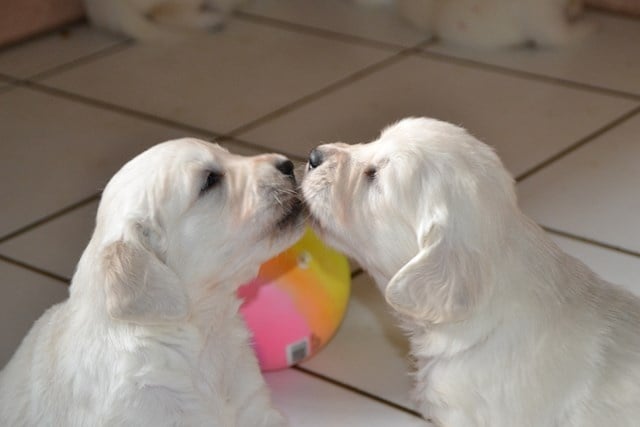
[591, 241]
[34, 269]
[233, 139]
[581, 142]
[57, 30]
[357, 391]
[316, 31]
[614, 13]
[351, 78]
[218, 136]
[257, 147]
[50, 217]
[9, 82]
[6, 78]
[437, 55]
[201, 132]
[96, 196]
[116, 108]
[527, 75]
[7, 88]
[118, 46]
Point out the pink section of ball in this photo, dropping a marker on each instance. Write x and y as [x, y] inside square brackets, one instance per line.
[276, 330]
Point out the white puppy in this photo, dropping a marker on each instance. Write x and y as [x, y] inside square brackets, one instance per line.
[159, 20]
[498, 23]
[150, 334]
[506, 329]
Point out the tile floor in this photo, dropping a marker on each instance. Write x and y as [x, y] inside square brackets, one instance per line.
[283, 76]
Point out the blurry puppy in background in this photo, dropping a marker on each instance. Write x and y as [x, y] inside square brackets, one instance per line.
[150, 334]
[159, 20]
[506, 329]
[490, 24]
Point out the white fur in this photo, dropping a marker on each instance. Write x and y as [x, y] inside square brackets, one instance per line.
[497, 23]
[506, 329]
[158, 20]
[150, 334]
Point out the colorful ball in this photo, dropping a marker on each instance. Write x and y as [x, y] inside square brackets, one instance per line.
[296, 303]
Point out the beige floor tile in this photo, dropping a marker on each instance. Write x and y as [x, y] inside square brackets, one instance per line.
[56, 152]
[57, 245]
[369, 351]
[526, 121]
[615, 267]
[47, 52]
[24, 297]
[218, 81]
[309, 402]
[592, 192]
[609, 58]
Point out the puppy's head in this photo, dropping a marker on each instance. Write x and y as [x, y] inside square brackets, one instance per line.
[185, 214]
[422, 208]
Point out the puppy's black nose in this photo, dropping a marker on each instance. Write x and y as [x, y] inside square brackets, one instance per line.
[315, 158]
[286, 167]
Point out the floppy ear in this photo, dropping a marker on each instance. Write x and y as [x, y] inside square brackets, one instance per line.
[139, 287]
[440, 284]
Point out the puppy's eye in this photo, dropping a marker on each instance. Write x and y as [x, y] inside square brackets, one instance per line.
[213, 178]
[371, 173]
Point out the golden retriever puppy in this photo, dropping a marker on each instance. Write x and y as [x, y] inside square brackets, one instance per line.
[150, 334]
[506, 329]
